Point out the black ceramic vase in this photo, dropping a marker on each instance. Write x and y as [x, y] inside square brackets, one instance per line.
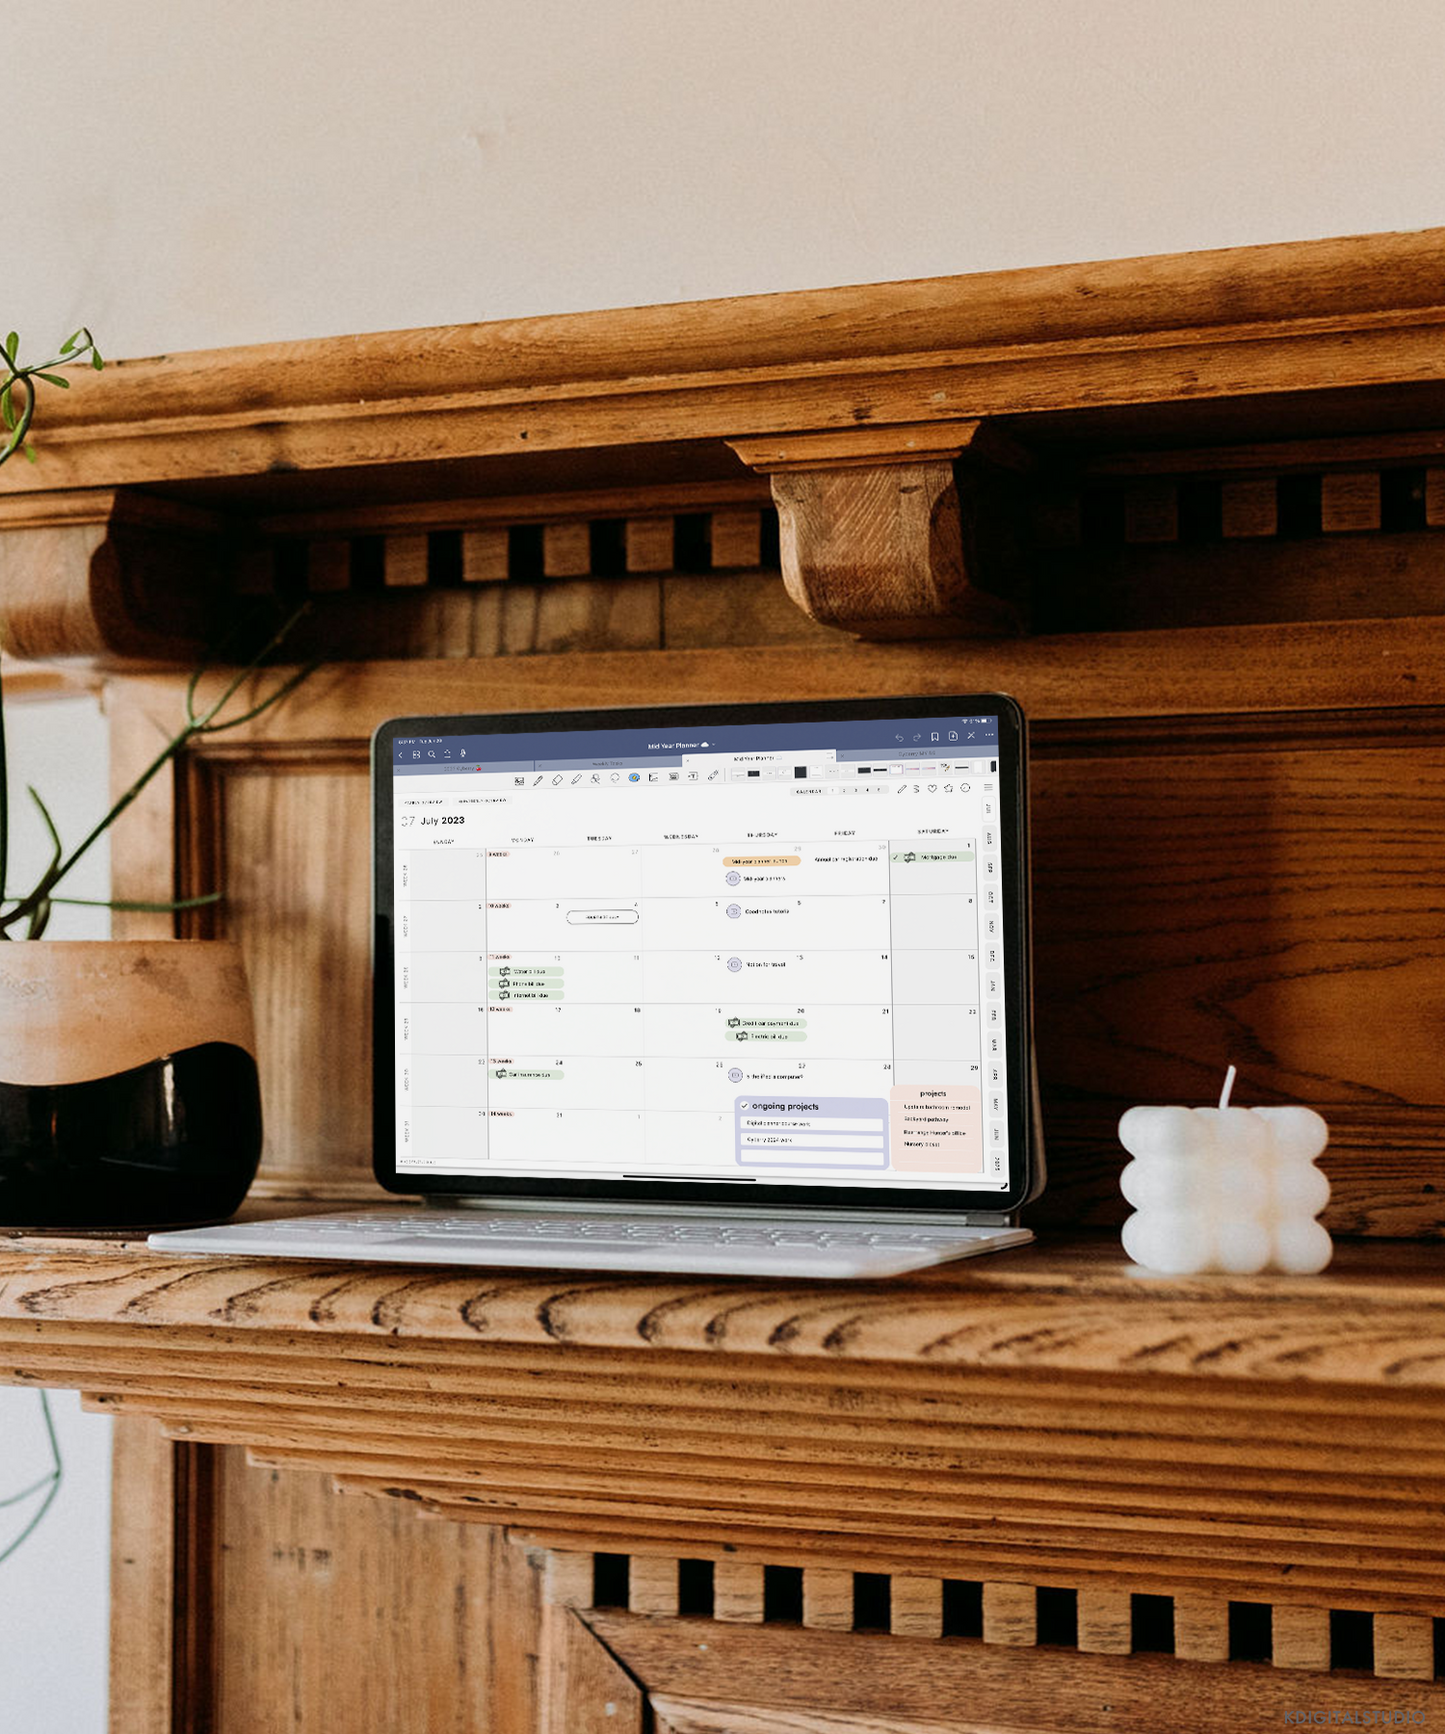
[128, 1087]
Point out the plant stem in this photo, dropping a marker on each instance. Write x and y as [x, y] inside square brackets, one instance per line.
[52, 1480]
[4, 799]
[34, 907]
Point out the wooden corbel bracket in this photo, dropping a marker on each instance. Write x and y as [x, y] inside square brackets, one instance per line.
[879, 537]
[105, 576]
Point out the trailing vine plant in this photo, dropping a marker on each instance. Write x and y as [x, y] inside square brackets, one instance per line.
[26, 914]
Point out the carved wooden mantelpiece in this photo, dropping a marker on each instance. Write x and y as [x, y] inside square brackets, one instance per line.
[1188, 511]
[995, 1421]
[933, 450]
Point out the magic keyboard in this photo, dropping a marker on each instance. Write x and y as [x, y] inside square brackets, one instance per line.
[708, 1246]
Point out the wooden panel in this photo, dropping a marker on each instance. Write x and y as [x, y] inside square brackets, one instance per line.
[737, 539]
[145, 1604]
[1201, 1628]
[298, 904]
[1365, 668]
[828, 1599]
[737, 1590]
[253, 569]
[567, 1580]
[405, 561]
[1301, 1638]
[652, 1585]
[1274, 456]
[343, 1616]
[584, 1688]
[649, 544]
[566, 550]
[528, 1400]
[1404, 1646]
[578, 615]
[143, 847]
[484, 556]
[1057, 517]
[1106, 1621]
[746, 608]
[916, 1607]
[1350, 501]
[694, 1716]
[1278, 839]
[808, 1682]
[1117, 587]
[1299, 938]
[1010, 1614]
[398, 503]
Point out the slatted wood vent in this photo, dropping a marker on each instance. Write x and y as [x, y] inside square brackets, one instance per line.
[389, 587]
[451, 558]
[1124, 545]
[1098, 1621]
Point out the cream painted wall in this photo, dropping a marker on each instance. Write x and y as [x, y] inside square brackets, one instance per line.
[181, 174]
[184, 174]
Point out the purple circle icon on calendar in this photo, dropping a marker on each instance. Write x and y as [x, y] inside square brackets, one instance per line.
[734, 911]
[735, 964]
[735, 1076]
[734, 878]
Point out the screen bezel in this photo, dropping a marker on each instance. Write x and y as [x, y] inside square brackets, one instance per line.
[1025, 1163]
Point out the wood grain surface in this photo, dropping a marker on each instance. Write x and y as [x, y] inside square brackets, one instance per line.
[342, 1614]
[1363, 311]
[880, 551]
[706, 1679]
[1301, 845]
[1039, 1419]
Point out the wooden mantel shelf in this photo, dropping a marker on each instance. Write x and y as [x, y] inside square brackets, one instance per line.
[1362, 312]
[1375, 1319]
[1047, 1413]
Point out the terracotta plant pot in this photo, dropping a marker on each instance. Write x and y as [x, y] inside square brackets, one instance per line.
[128, 1085]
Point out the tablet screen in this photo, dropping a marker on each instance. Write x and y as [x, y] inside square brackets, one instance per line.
[766, 950]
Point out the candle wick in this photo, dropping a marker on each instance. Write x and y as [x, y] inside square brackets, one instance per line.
[1228, 1086]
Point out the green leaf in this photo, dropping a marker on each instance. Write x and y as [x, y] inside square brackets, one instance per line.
[7, 405]
[12, 343]
[70, 343]
[29, 451]
[54, 379]
[95, 360]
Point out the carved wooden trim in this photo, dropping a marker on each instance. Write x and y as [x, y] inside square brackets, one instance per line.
[703, 1678]
[879, 552]
[1235, 1637]
[872, 535]
[1036, 1421]
[1236, 679]
[149, 1611]
[1241, 321]
[41, 682]
[865, 447]
[105, 576]
[644, 502]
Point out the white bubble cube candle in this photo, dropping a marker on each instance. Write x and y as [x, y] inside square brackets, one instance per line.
[1231, 1189]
